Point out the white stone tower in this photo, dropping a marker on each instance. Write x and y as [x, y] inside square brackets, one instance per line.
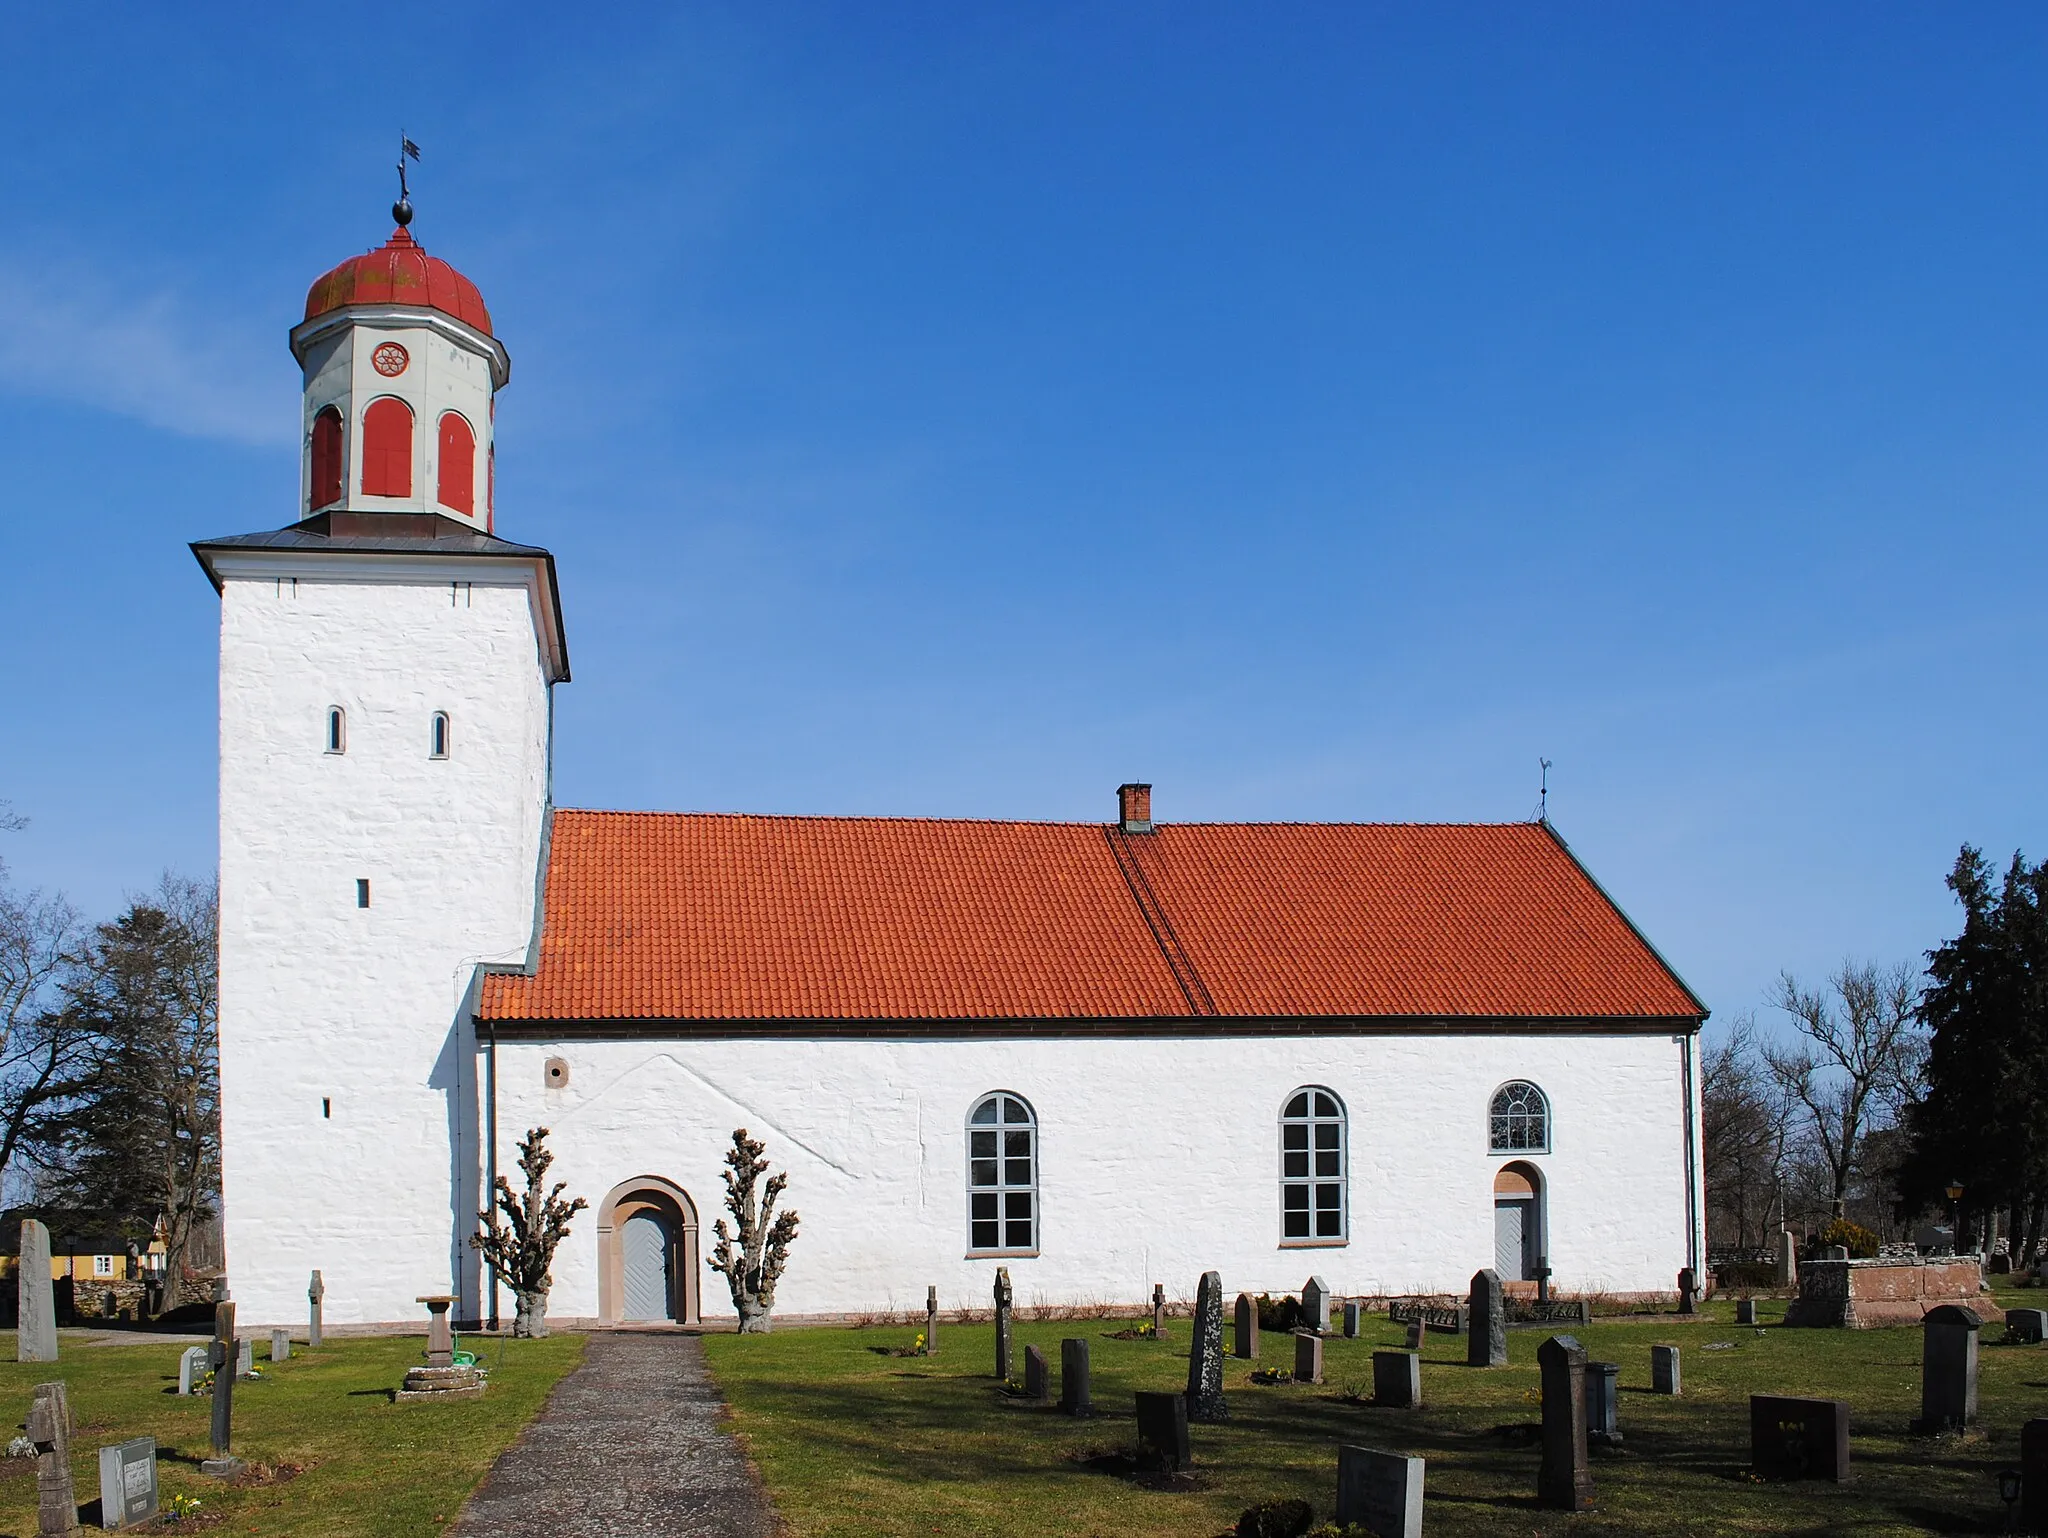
[385, 676]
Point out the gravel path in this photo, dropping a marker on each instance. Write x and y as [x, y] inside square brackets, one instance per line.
[629, 1443]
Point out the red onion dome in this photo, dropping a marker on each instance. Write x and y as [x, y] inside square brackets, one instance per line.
[399, 272]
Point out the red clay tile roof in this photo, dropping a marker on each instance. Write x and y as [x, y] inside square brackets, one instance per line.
[667, 917]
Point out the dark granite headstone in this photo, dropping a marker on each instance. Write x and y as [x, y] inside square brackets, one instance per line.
[1798, 1438]
[1247, 1331]
[2034, 1477]
[1487, 1343]
[1037, 1377]
[2026, 1326]
[1351, 1313]
[1948, 1368]
[1163, 1432]
[1603, 1403]
[1205, 1353]
[1563, 1480]
[1380, 1492]
[1308, 1357]
[1397, 1380]
[1074, 1377]
[1745, 1310]
[1415, 1327]
[1664, 1370]
[1002, 1295]
[1688, 1292]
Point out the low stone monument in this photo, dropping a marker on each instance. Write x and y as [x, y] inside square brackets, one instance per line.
[1603, 1403]
[1074, 1377]
[1563, 1479]
[1380, 1492]
[1745, 1310]
[1351, 1313]
[1837, 1292]
[1798, 1438]
[1948, 1369]
[316, 1293]
[1205, 1353]
[1788, 1259]
[36, 1335]
[128, 1494]
[1315, 1303]
[2034, 1476]
[1158, 1308]
[1688, 1291]
[1397, 1380]
[49, 1428]
[1664, 1370]
[1002, 1296]
[2026, 1326]
[440, 1380]
[1037, 1376]
[1486, 1344]
[1308, 1357]
[1163, 1432]
[931, 1321]
[1247, 1331]
[222, 1357]
[280, 1345]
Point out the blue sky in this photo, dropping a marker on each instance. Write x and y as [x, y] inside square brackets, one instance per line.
[1320, 412]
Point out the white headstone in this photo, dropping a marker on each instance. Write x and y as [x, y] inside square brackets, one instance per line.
[191, 1368]
[1380, 1492]
[280, 1345]
[36, 1340]
[1315, 1302]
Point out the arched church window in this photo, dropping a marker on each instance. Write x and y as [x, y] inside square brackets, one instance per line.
[1313, 1208]
[1002, 1175]
[1519, 1121]
[325, 489]
[437, 735]
[457, 460]
[387, 448]
[337, 730]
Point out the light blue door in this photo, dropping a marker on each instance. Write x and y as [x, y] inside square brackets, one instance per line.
[1514, 1239]
[644, 1247]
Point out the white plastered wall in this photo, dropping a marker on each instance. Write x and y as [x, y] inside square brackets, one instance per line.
[1159, 1159]
[367, 1009]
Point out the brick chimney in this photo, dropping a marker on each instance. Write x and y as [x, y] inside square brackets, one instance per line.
[1134, 808]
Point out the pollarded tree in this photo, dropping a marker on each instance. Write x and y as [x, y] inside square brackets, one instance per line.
[752, 1259]
[522, 1251]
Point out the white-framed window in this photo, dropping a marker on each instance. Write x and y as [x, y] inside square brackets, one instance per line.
[1002, 1175]
[337, 729]
[1313, 1200]
[1518, 1120]
[103, 1265]
[437, 735]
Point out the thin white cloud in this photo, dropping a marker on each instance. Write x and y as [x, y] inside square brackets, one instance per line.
[70, 334]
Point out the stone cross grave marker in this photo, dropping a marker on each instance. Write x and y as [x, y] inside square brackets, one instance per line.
[931, 1321]
[316, 1294]
[1351, 1313]
[1603, 1403]
[1308, 1357]
[1664, 1370]
[1074, 1377]
[1037, 1376]
[1487, 1343]
[1315, 1302]
[1563, 1480]
[36, 1339]
[1688, 1292]
[1380, 1492]
[1158, 1308]
[1397, 1380]
[1798, 1438]
[127, 1483]
[1948, 1368]
[191, 1366]
[222, 1359]
[1247, 1322]
[2034, 1476]
[1542, 1272]
[1163, 1432]
[1788, 1259]
[1205, 1353]
[50, 1430]
[1002, 1294]
[2026, 1326]
[280, 1345]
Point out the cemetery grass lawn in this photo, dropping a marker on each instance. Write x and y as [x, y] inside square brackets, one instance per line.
[330, 1453]
[852, 1442]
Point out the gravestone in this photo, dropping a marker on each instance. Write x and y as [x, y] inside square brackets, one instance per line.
[931, 1321]
[1798, 1438]
[1247, 1320]
[1002, 1294]
[1163, 1432]
[2026, 1326]
[1158, 1308]
[316, 1294]
[1541, 1271]
[49, 1429]
[1037, 1377]
[222, 1358]
[280, 1345]
[245, 1358]
[1838, 1252]
[1308, 1357]
[1563, 1480]
[1688, 1292]
[1380, 1492]
[1788, 1259]
[191, 1366]
[1397, 1380]
[1948, 1368]
[2034, 1476]
[1603, 1403]
[1664, 1370]
[1205, 1353]
[1315, 1303]
[1486, 1345]
[1415, 1328]
[1074, 1377]
[36, 1298]
[127, 1483]
[1745, 1310]
[1351, 1312]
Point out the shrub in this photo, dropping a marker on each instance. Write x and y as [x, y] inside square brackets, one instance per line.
[1280, 1314]
[1276, 1519]
[1859, 1241]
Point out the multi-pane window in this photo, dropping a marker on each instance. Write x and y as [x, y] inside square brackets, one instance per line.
[1002, 1175]
[1312, 1151]
[1520, 1120]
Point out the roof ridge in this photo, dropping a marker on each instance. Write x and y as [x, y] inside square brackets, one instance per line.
[1022, 822]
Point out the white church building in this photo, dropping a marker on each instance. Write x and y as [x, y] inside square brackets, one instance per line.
[1101, 1054]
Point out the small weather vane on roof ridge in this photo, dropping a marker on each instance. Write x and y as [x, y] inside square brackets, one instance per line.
[402, 209]
[1543, 791]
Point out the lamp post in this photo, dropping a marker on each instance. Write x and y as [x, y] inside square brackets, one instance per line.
[1955, 1217]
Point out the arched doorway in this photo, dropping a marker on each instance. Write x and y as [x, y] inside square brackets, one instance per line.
[1517, 1221]
[647, 1254]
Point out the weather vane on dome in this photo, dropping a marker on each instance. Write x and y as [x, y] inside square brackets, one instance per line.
[402, 209]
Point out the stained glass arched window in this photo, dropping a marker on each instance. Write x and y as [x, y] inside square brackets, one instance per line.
[1519, 1121]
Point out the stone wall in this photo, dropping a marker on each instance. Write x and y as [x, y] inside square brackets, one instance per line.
[1861, 1294]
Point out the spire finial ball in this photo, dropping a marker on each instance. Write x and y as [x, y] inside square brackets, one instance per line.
[402, 212]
